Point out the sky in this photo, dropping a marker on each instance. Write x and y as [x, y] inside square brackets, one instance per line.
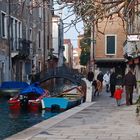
[71, 34]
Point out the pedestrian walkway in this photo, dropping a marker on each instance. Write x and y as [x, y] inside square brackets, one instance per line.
[100, 120]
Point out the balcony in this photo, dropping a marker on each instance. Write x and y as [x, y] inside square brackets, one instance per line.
[20, 48]
[24, 48]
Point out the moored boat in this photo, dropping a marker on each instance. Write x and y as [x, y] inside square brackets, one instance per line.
[28, 99]
[12, 88]
[67, 99]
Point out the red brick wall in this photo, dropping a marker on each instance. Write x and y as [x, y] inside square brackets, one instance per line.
[111, 27]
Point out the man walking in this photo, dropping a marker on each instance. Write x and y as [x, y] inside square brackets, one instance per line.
[129, 83]
[112, 82]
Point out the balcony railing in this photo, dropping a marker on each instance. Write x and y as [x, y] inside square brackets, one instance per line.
[20, 47]
[24, 47]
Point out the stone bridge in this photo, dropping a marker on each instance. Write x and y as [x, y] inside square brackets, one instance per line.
[60, 72]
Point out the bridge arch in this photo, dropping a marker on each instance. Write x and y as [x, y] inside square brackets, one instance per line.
[62, 72]
[59, 72]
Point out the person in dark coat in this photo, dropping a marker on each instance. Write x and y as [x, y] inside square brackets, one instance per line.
[119, 80]
[129, 83]
[100, 78]
[90, 76]
[112, 82]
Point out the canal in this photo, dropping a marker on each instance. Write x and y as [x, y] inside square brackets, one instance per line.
[13, 122]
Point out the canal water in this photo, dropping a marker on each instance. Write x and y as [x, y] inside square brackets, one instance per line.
[13, 122]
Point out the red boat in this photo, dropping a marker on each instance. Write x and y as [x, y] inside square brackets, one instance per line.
[28, 99]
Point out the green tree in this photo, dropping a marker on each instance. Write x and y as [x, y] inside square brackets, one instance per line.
[85, 48]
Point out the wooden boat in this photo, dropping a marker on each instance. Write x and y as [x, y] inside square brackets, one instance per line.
[67, 99]
[28, 99]
[12, 88]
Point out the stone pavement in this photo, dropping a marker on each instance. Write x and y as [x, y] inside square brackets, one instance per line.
[100, 120]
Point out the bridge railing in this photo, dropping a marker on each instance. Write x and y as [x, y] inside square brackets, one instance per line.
[58, 71]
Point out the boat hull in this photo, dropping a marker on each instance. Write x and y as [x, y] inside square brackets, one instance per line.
[48, 103]
[26, 103]
[30, 105]
[66, 100]
[34, 106]
[60, 103]
[14, 105]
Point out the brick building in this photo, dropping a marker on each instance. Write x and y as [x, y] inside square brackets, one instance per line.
[108, 47]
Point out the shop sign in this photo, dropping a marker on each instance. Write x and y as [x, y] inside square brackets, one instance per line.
[133, 37]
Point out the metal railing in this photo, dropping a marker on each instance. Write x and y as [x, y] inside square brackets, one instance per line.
[59, 72]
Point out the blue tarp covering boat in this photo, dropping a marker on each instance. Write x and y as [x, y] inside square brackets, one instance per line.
[28, 98]
[11, 88]
[34, 88]
[13, 85]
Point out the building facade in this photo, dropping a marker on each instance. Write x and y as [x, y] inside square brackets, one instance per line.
[57, 42]
[25, 38]
[132, 43]
[68, 52]
[108, 47]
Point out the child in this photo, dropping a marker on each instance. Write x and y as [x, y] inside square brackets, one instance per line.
[97, 86]
[118, 94]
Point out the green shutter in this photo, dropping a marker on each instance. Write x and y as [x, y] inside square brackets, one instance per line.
[110, 44]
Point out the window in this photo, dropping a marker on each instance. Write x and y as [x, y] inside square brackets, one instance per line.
[16, 34]
[39, 39]
[2, 71]
[39, 66]
[3, 67]
[19, 29]
[3, 25]
[12, 29]
[110, 42]
[30, 35]
[40, 12]
[31, 7]
[31, 39]
[12, 32]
